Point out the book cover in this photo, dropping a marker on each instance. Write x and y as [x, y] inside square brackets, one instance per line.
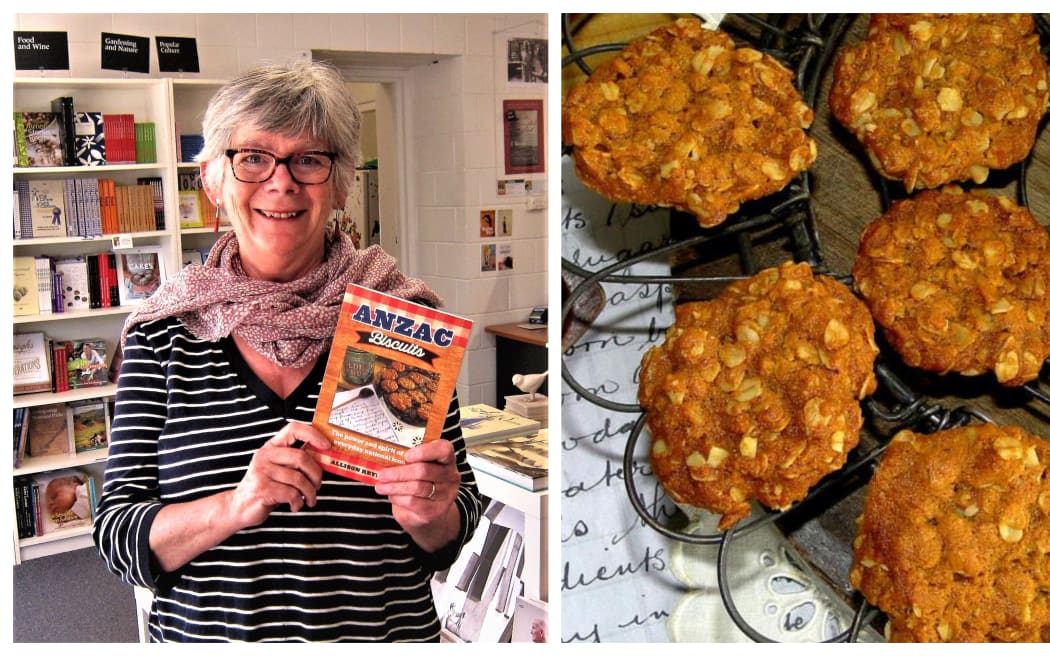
[141, 272]
[75, 283]
[388, 382]
[64, 499]
[26, 292]
[120, 138]
[530, 621]
[21, 157]
[85, 364]
[89, 138]
[58, 366]
[48, 430]
[484, 423]
[20, 434]
[157, 186]
[47, 205]
[25, 210]
[24, 515]
[43, 281]
[521, 460]
[191, 256]
[31, 355]
[190, 215]
[43, 139]
[145, 143]
[62, 108]
[90, 428]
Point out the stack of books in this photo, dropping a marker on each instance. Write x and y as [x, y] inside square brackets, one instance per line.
[520, 460]
[482, 423]
[528, 405]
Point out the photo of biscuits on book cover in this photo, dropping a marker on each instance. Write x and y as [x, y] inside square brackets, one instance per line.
[388, 382]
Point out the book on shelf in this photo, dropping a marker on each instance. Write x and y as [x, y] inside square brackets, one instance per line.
[85, 362]
[44, 281]
[521, 459]
[189, 146]
[483, 423]
[21, 158]
[89, 421]
[31, 353]
[26, 286]
[190, 214]
[191, 256]
[20, 434]
[65, 498]
[75, 288]
[120, 138]
[47, 206]
[62, 108]
[145, 143]
[43, 140]
[156, 185]
[59, 357]
[385, 347]
[140, 271]
[89, 138]
[25, 516]
[48, 431]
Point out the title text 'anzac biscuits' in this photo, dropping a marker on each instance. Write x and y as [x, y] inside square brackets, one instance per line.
[754, 395]
[954, 541]
[684, 118]
[960, 282]
[939, 98]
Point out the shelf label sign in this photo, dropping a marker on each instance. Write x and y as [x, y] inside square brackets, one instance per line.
[177, 54]
[41, 51]
[125, 52]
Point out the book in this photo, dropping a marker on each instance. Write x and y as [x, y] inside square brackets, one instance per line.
[530, 621]
[25, 209]
[140, 272]
[26, 292]
[47, 205]
[32, 363]
[43, 139]
[120, 138]
[85, 363]
[484, 423]
[43, 277]
[190, 215]
[383, 346]
[521, 459]
[59, 358]
[20, 433]
[145, 143]
[191, 256]
[74, 290]
[89, 138]
[48, 430]
[62, 108]
[89, 421]
[65, 499]
[25, 516]
[157, 186]
[21, 157]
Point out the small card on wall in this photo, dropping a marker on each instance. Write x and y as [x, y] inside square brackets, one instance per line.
[125, 52]
[488, 223]
[488, 257]
[504, 257]
[41, 51]
[504, 222]
[177, 54]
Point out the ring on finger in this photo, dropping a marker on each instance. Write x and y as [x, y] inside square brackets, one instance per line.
[433, 489]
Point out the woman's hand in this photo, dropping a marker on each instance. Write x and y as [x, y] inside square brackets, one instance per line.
[280, 472]
[423, 492]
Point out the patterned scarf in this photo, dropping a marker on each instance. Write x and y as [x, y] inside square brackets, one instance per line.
[290, 323]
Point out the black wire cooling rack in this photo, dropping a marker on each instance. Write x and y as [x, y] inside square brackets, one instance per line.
[807, 44]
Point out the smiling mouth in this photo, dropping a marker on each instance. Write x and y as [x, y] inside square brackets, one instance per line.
[279, 215]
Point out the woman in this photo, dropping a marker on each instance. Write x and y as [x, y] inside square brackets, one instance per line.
[207, 498]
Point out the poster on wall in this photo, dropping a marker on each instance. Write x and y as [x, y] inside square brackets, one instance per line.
[488, 257]
[523, 136]
[35, 51]
[177, 54]
[125, 52]
[505, 222]
[527, 61]
[488, 223]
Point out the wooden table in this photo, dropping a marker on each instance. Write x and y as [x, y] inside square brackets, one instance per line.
[518, 351]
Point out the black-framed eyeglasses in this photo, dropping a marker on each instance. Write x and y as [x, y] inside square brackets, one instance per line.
[309, 167]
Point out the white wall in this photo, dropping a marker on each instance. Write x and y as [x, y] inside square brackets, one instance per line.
[453, 147]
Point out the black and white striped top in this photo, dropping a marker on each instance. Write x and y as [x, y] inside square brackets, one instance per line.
[188, 417]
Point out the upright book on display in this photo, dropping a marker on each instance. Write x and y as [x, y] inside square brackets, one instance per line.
[389, 381]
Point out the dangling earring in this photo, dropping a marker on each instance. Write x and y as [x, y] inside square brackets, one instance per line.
[218, 202]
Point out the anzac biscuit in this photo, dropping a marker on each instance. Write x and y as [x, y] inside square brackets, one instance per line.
[937, 98]
[407, 391]
[959, 282]
[754, 395]
[685, 118]
[954, 541]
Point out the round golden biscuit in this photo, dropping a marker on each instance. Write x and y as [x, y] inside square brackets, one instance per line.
[954, 541]
[959, 282]
[754, 395]
[684, 118]
[937, 98]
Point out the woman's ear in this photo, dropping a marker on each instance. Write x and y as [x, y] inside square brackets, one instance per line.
[215, 195]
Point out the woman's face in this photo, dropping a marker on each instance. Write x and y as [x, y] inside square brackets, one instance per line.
[280, 224]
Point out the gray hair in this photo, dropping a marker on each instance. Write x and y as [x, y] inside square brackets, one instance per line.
[302, 98]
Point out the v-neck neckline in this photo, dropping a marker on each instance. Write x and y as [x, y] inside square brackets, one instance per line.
[282, 407]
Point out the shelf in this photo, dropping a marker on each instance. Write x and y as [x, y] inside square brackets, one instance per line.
[43, 398]
[100, 170]
[73, 315]
[53, 543]
[50, 463]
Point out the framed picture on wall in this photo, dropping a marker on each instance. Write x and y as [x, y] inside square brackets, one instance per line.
[523, 136]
